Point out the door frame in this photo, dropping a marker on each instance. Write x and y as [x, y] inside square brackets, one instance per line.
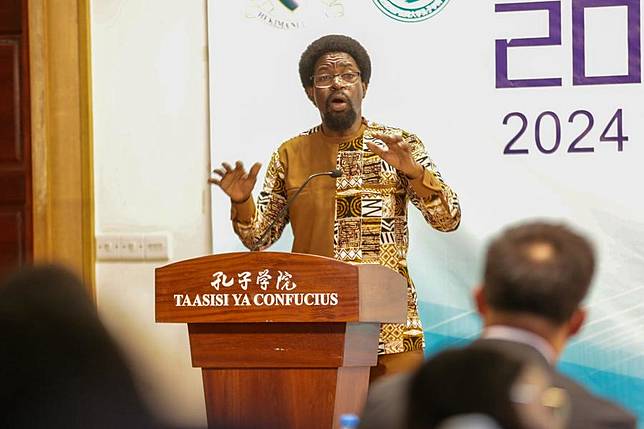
[61, 135]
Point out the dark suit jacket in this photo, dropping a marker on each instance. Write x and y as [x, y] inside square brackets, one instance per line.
[387, 400]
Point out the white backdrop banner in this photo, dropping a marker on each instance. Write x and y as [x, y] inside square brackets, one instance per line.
[531, 109]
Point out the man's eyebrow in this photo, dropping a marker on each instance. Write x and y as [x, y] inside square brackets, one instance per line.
[341, 63]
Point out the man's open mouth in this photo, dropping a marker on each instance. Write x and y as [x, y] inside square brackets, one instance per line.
[338, 103]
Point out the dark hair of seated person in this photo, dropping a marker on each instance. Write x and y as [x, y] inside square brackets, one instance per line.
[464, 381]
[59, 368]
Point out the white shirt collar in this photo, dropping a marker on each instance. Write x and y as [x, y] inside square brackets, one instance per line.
[501, 332]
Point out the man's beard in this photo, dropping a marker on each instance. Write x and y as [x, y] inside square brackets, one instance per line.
[339, 121]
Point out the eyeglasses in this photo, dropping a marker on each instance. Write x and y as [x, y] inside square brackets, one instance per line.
[326, 80]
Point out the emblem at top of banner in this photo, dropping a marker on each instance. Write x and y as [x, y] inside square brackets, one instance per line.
[293, 14]
[410, 10]
[290, 4]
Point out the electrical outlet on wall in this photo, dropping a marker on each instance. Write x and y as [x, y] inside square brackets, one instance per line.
[133, 247]
[107, 247]
[156, 247]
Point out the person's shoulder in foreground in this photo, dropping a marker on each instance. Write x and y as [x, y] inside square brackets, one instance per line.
[386, 403]
[590, 411]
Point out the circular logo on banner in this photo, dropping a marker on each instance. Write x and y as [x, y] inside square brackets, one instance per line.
[410, 10]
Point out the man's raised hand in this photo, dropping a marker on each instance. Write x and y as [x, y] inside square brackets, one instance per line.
[236, 182]
[397, 153]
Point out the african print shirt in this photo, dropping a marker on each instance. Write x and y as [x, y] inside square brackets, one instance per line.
[360, 217]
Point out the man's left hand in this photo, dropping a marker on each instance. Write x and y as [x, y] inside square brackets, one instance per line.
[397, 154]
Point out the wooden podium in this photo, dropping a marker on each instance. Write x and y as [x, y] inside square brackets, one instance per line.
[284, 340]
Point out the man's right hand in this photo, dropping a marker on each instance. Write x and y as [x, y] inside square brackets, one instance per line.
[236, 182]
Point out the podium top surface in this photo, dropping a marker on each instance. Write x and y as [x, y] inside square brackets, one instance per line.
[262, 287]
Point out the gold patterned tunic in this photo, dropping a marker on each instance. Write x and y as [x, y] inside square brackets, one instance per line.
[360, 217]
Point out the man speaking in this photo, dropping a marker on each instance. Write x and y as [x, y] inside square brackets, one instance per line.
[361, 216]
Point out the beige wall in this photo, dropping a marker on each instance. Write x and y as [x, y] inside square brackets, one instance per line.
[151, 163]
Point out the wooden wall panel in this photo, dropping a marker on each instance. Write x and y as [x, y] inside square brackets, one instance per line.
[11, 239]
[15, 161]
[10, 16]
[10, 146]
[12, 187]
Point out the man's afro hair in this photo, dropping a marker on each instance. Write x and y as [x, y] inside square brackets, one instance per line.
[333, 43]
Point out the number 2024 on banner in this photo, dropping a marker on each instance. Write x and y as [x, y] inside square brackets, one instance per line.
[613, 131]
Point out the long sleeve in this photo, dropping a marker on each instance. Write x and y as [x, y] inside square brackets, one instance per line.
[250, 221]
[430, 194]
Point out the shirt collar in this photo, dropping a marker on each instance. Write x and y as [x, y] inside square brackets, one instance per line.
[501, 332]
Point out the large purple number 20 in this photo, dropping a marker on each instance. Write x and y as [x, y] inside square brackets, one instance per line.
[578, 46]
[578, 43]
[502, 45]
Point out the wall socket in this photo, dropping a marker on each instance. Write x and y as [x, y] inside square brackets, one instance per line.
[133, 247]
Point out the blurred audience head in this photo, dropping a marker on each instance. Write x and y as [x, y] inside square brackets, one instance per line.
[512, 393]
[58, 365]
[537, 270]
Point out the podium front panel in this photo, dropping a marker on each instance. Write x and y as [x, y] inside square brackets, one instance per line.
[257, 287]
